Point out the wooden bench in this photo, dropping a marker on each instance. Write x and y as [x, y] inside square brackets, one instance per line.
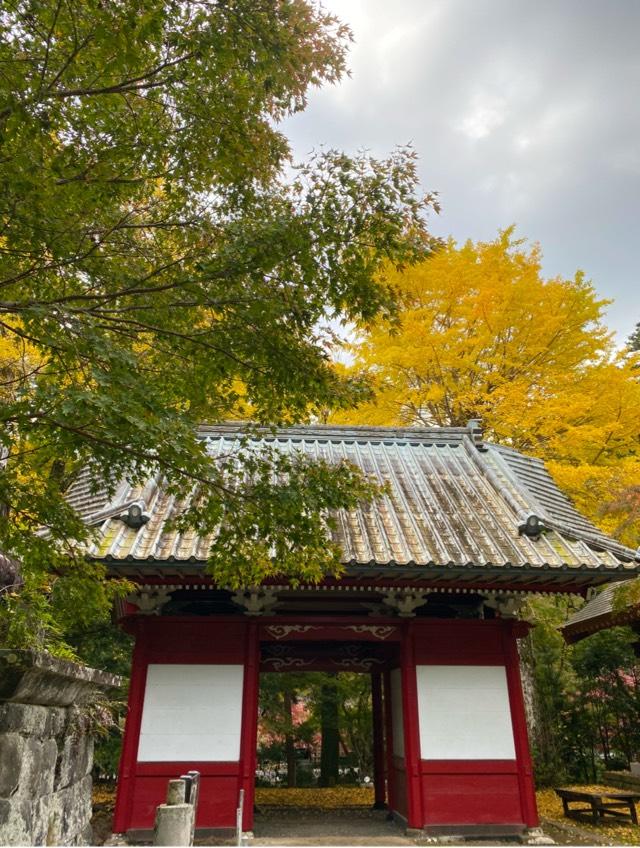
[621, 804]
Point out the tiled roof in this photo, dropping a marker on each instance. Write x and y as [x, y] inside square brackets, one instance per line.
[454, 502]
[598, 614]
[532, 475]
[91, 497]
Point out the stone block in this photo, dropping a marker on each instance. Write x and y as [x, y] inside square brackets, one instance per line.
[35, 677]
[74, 761]
[28, 766]
[41, 756]
[64, 817]
[45, 828]
[16, 822]
[32, 719]
[12, 748]
[85, 837]
[56, 721]
[75, 804]
[35, 807]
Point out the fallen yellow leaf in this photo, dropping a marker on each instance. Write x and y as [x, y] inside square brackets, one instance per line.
[325, 798]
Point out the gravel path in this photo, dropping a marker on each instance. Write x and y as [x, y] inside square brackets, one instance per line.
[282, 826]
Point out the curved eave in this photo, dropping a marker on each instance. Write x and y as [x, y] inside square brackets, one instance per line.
[580, 630]
[560, 578]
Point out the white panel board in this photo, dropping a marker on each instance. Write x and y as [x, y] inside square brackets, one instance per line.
[464, 713]
[396, 712]
[191, 712]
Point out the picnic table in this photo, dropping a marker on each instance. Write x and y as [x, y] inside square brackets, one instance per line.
[601, 803]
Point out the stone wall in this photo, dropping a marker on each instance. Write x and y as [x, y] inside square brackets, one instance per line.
[46, 749]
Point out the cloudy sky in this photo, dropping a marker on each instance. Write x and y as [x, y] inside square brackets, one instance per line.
[521, 112]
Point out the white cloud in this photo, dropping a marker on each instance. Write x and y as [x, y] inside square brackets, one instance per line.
[484, 116]
[520, 112]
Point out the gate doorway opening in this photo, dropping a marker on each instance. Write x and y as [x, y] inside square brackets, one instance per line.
[324, 739]
[324, 726]
[315, 732]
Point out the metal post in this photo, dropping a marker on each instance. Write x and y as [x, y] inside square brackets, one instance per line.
[239, 818]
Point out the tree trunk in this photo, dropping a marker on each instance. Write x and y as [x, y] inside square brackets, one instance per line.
[329, 752]
[288, 740]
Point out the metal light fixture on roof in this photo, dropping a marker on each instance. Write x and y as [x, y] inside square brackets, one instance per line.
[135, 516]
[530, 525]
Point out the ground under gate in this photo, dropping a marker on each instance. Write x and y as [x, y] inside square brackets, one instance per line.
[327, 827]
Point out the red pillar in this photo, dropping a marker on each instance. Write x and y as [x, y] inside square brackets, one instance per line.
[249, 738]
[519, 721]
[128, 757]
[388, 728]
[378, 742]
[415, 818]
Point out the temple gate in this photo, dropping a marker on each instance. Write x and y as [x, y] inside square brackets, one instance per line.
[435, 576]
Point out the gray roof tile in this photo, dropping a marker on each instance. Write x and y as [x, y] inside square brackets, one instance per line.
[451, 502]
[599, 614]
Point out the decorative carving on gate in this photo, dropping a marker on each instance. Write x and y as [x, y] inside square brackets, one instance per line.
[281, 631]
[357, 664]
[506, 605]
[150, 602]
[378, 631]
[256, 601]
[405, 603]
[355, 658]
[286, 663]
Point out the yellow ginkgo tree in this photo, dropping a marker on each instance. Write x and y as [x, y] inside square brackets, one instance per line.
[482, 333]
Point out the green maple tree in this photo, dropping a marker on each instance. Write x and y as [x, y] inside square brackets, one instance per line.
[164, 263]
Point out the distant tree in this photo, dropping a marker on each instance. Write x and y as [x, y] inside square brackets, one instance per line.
[587, 698]
[161, 267]
[546, 655]
[609, 692]
[633, 342]
[622, 511]
[356, 719]
[482, 334]
[330, 731]
[290, 752]
[337, 718]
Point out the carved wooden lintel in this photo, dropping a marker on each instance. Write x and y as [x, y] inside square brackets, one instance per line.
[405, 603]
[150, 602]
[256, 601]
[283, 631]
[506, 605]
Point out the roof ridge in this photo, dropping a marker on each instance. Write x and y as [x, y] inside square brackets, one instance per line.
[523, 490]
[340, 432]
[508, 449]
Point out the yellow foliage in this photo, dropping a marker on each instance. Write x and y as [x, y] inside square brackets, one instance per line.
[481, 334]
[18, 359]
[593, 489]
[103, 793]
[323, 798]
[620, 833]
